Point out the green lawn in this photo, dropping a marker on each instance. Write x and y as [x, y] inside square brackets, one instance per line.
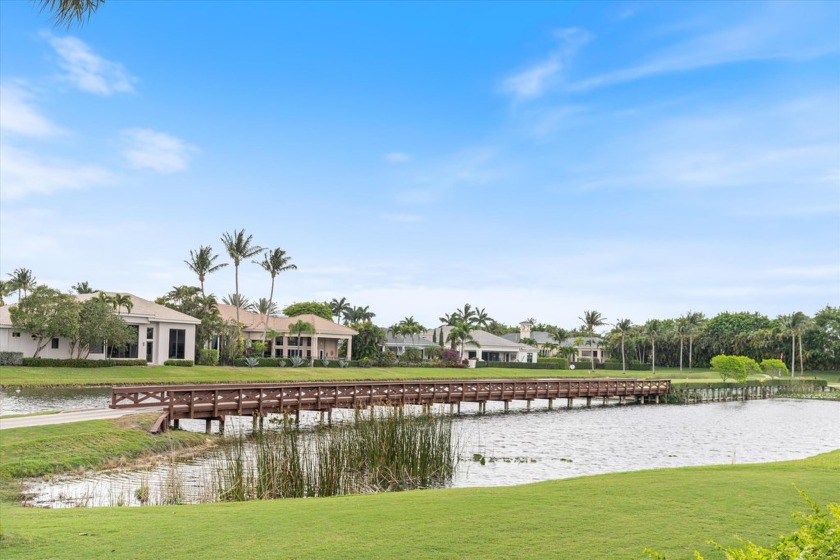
[674, 511]
[128, 375]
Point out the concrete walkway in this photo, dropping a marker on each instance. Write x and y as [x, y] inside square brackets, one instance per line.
[68, 416]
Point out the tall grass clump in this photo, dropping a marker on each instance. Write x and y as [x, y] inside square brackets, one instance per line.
[383, 451]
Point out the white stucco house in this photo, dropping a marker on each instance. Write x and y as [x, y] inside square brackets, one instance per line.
[162, 334]
[398, 344]
[585, 347]
[491, 348]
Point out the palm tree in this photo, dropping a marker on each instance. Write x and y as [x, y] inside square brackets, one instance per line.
[681, 329]
[239, 248]
[202, 263]
[449, 319]
[652, 329]
[461, 333]
[801, 323]
[22, 280]
[265, 307]
[468, 315]
[695, 321]
[789, 326]
[620, 328]
[83, 288]
[299, 328]
[239, 301]
[482, 319]
[339, 308]
[590, 320]
[410, 327]
[560, 335]
[122, 300]
[6, 289]
[66, 12]
[274, 262]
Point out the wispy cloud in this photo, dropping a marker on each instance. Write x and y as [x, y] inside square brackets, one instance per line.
[24, 174]
[777, 31]
[19, 114]
[158, 151]
[535, 80]
[397, 157]
[88, 71]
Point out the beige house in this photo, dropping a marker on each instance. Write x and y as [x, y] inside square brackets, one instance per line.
[162, 334]
[323, 344]
[585, 347]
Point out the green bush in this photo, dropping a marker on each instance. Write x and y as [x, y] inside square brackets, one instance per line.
[74, 363]
[208, 357]
[587, 365]
[523, 365]
[262, 362]
[179, 363]
[631, 366]
[774, 367]
[11, 358]
[735, 367]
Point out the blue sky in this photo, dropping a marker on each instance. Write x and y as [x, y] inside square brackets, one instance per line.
[537, 160]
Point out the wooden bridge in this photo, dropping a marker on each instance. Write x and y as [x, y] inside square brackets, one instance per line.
[215, 402]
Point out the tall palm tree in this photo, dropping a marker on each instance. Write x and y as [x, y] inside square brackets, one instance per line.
[339, 308]
[202, 263]
[468, 315]
[239, 301]
[274, 262]
[265, 307]
[591, 320]
[83, 288]
[695, 321]
[299, 328]
[67, 12]
[363, 313]
[621, 327]
[789, 326]
[681, 329]
[801, 323]
[239, 248]
[653, 328]
[122, 300]
[482, 319]
[449, 319]
[461, 333]
[22, 280]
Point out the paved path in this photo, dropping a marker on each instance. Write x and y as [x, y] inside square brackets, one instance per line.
[68, 416]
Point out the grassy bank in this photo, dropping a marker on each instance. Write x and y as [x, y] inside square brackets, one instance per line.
[130, 375]
[609, 516]
[61, 448]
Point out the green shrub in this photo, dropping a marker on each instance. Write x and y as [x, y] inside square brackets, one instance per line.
[587, 365]
[631, 366]
[74, 363]
[735, 367]
[521, 365]
[207, 357]
[262, 362]
[11, 358]
[179, 363]
[774, 367]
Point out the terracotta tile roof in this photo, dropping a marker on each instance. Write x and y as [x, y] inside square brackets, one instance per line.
[253, 322]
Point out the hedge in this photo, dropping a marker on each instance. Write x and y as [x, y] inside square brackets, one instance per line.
[587, 365]
[521, 365]
[11, 358]
[74, 363]
[790, 383]
[207, 357]
[179, 363]
[630, 366]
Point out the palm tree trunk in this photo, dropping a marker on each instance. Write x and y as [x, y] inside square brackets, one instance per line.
[238, 326]
[681, 353]
[267, 311]
[653, 356]
[793, 356]
[801, 366]
[623, 362]
[690, 341]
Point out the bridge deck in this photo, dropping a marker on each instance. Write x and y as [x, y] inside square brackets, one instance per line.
[218, 401]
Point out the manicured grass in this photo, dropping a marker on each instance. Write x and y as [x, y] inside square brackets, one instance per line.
[44, 450]
[41, 413]
[674, 511]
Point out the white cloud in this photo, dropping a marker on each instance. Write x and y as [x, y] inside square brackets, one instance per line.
[397, 157]
[87, 70]
[535, 80]
[23, 174]
[19, 115]
[161, 152]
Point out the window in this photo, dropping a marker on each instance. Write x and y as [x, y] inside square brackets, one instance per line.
[150, 333]
[215, 343]
[127, 351]
[295, 353]
[278, 341]
[291, 341]
[177, 344]
[15, 335]
[278, 352]
[530, 357]
[55, 343]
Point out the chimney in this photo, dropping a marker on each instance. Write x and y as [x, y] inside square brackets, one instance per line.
[525, 329]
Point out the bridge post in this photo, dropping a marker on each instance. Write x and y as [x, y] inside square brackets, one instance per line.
[207, 425]
[221, 425]
[507, 404]
[329, 416]
[604, 402]
[261, 421]
[550, 404]
[528, 404]
[321, 417]
[254, 422]
[459, 407]
[297, 417]
[588, 402]
[657, 399]
[569, 402]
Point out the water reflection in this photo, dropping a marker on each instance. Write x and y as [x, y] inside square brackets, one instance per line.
[523, 447]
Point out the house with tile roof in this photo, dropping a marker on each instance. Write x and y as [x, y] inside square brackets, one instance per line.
[162, 334]
[491, 348]
[324, 343]
[585, 347]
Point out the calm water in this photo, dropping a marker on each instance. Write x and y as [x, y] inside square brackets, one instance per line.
[523, 447]
[25, 400]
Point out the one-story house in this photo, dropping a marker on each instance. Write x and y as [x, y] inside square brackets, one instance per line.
[162, 334]
[398, 343]
[585, 347]
[491, 348]
[324, 343]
